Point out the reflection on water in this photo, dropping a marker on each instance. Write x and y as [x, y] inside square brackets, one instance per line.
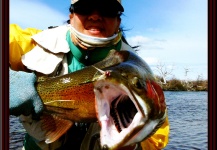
[187, 116]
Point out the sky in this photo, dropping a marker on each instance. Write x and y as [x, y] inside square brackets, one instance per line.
[169, 33]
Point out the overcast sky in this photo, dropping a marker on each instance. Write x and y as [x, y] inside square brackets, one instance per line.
[169, 32]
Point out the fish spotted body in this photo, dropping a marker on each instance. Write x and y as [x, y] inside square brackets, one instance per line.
[120, 92]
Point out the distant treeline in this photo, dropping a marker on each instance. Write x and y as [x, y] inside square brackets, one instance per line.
[183, 85]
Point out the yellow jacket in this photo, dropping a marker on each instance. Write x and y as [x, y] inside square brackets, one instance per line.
[21, 43]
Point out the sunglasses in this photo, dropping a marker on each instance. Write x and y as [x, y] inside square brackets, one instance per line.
[105, 9]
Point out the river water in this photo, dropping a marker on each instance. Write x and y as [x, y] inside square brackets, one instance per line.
[188, 117]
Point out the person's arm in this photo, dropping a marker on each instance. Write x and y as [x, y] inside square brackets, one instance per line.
[24, 98]
[20, 43]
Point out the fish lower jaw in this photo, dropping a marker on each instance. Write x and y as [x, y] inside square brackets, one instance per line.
[113, 139]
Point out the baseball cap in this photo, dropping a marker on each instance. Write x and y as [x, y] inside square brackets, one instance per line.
[117, 2]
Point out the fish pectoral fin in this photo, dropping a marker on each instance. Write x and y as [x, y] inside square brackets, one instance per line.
[54, 126]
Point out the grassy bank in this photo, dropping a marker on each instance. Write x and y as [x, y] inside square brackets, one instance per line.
[182, 85]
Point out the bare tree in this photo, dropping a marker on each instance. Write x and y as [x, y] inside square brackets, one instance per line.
[186, 82]
[186, 75]
[200, 77]
[164, 71]
[186, 72]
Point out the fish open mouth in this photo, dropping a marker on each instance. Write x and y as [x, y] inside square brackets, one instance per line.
[119, 113]
[122, 111]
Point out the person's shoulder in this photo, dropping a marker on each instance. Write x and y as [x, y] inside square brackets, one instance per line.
[15, 29]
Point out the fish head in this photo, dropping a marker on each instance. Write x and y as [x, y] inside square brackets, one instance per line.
[130, 105]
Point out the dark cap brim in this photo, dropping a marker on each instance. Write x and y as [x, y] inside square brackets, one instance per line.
[115, 2]
[120, 7]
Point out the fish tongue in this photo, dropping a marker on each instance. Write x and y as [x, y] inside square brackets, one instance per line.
[104, 130]
[104, 118]
[104, 124]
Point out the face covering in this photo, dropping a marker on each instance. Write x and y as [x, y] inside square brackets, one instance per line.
[87, 42]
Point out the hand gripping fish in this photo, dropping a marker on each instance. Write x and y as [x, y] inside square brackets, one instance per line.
[120, 92]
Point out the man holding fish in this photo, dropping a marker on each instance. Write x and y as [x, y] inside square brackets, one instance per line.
[81, 86]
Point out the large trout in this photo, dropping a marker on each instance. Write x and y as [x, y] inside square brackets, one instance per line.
[120, 92]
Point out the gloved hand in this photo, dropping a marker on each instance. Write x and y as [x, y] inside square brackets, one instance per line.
[23, 96]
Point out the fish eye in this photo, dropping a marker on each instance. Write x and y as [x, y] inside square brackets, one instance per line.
[136, 83]
[123, 74]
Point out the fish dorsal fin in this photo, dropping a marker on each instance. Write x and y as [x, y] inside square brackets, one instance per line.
[113, 58]
[54, 126]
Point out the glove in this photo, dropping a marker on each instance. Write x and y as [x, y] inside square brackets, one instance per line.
[24, 98]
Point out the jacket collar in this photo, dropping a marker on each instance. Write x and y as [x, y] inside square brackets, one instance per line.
[53, 40]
